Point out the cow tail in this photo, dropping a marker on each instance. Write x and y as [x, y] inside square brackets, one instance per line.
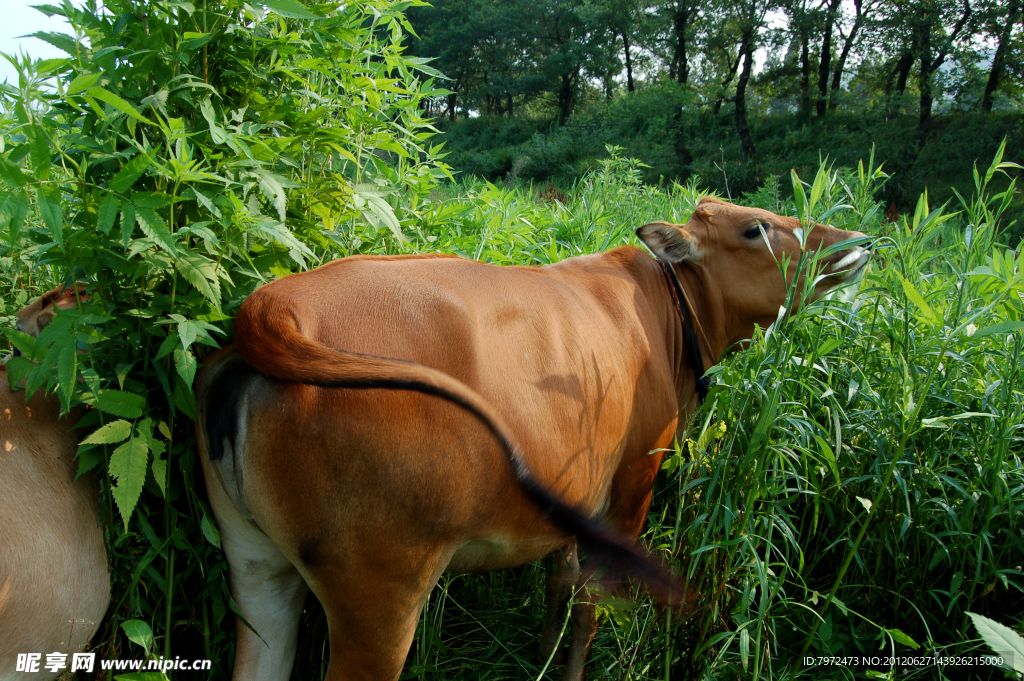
[269, 339]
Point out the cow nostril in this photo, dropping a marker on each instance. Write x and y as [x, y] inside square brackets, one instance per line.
[16, 353]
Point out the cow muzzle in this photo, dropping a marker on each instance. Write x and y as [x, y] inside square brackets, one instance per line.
[849, 264]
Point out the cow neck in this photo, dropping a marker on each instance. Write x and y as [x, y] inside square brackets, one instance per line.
[691, 328]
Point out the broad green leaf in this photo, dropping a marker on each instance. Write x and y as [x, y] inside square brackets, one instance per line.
[210, 531]
[63, 42]
[826, 452]
[18, 369]
[917, 299]
[127, 223]
[166, 347]
[12, 214]
[745, 647]
[799, 196]
[185, 362]
[160, 474]
[67, 372]
[145, 428]
[128, 466]
[153, 200]
[939, 421]
[272, 187]
[88, 458]
[111, 433]
[107, 214]
[1002, 327]
[204, 200]
[142, 676]
[903, 639]
[120, 403]
[113, 100]
[130, 172]
[39, 149]
[216, 131]
[25, 343]
[201, 272]
[48, 200]
[184, 399]
[1003, 640]
[153, 226]
[290, 9]
[138, 632]
[83, 82]
[188, 331]
[11, 174]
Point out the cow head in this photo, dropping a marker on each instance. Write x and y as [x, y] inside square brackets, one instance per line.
[37, 315]
[723, 259]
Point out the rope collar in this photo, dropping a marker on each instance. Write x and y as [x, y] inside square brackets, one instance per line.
[688, 315]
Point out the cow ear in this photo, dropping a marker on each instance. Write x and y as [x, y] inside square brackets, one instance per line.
[669, 242]
[70, 296]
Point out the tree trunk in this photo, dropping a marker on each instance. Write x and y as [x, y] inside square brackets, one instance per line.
[805, 75]
[683, 156]
[566, 95]
[742, 129]
[825, 64]
[508, 110]
[837, 75]
[629, 63]
[924, 81]
[453, 103]
[903, 67]
[999, 59]
[680, 22]
[728, 79]
[923, 39]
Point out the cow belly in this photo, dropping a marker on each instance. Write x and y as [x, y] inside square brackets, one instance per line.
[483, 555]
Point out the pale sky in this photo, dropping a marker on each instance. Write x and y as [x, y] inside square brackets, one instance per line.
[17, 18]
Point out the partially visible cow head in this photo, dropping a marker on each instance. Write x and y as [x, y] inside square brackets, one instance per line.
[723, 249]
[35, 316]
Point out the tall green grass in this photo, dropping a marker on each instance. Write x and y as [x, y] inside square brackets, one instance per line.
[852, 486]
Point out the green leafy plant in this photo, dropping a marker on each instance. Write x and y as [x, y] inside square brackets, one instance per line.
[179, 156]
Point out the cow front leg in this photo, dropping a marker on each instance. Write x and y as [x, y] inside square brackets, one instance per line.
[562, 581]
[563, 570]
[584, 622]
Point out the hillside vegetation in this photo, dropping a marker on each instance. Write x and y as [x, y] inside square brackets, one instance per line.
[853, 485]
[731, 93]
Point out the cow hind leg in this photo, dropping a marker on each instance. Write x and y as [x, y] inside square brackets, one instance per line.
[270, 594]
[268, 590]
[373, 600]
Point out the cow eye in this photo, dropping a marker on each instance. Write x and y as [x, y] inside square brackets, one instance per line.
[755, 231]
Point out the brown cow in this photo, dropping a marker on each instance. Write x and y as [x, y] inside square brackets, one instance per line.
[328, 467]
[54, 582]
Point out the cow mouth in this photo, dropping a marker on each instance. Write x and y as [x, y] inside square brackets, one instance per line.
[851, 265]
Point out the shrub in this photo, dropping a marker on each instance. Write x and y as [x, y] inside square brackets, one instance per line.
[176, 159]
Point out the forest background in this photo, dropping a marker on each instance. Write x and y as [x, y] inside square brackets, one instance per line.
[731, 92]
